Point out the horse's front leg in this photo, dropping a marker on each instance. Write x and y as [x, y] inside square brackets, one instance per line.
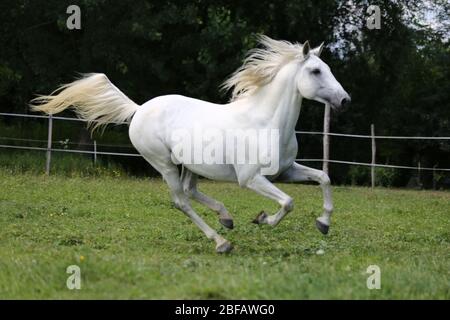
[298, 173]
[264, 187]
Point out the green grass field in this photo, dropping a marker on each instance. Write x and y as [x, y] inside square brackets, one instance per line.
[130, 242]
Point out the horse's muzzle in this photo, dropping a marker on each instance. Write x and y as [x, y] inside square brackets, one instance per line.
[343, 103]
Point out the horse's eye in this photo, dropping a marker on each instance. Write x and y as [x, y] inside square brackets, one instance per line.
[315, 71]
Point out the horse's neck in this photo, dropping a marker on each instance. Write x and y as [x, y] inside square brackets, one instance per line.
[279, 102]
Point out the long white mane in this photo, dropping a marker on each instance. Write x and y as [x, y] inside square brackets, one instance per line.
[261, 65]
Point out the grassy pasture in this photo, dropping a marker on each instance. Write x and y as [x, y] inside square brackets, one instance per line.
[130, 242]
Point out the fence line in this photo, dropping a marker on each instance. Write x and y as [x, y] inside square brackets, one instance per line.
[72, 151]
[23, 115]
[374, 153]
[300, 160]
[49, 148]
[375, 165]
[21, 139]
[297, 131]
[326, 139]
[68, 142]
[49, 145]
[370, 136]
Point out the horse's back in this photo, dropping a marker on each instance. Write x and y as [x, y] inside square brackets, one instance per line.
[180, 103]
[172, 112]
[156, 122]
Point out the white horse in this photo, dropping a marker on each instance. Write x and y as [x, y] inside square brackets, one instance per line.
[267, 94]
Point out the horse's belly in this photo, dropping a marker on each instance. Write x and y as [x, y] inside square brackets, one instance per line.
[224, 172]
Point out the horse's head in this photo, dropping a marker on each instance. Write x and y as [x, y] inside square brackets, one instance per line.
[316, 82]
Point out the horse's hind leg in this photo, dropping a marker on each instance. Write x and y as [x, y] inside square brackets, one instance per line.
[189, 181]
[171, 175]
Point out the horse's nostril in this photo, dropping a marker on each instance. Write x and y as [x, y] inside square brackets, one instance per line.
[345, 102]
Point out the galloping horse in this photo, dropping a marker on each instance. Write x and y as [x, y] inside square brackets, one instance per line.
[267, 92]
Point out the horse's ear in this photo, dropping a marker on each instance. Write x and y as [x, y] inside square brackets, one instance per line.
[317, 51]
[306, 49]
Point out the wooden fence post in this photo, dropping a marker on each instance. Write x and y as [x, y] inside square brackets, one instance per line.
[419, 172]
[326, 138]
[374, 152]
[434, 177]
[95, 152]
[49, 145]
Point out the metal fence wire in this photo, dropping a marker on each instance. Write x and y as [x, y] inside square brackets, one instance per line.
[49, 149]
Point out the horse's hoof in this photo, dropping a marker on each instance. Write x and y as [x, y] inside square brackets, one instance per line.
[323, 228]
[224, 247]
[227, 223]
[260, 218]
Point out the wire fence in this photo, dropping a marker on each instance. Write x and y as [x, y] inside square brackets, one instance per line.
[49, 149]
[375, 136]
[375, 165]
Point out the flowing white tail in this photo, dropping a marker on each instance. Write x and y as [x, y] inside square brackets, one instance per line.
[93, 97]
